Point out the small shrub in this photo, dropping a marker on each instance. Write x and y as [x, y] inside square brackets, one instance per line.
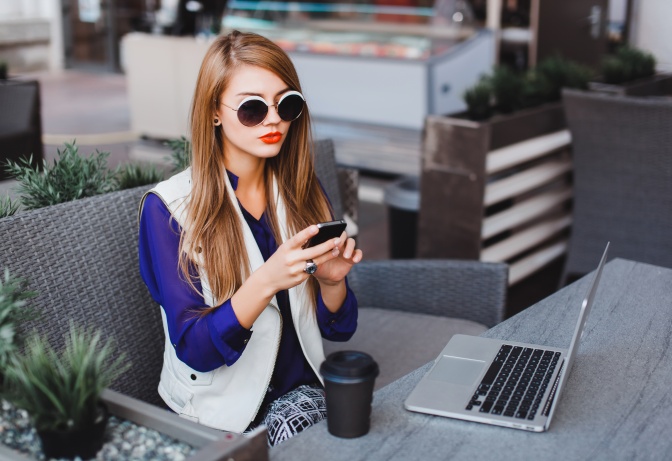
[132, 175]
[511, 91]
[626, 65]
[613, 70]
[61, 391]
[556, 73]
[8, 207]
[507, 88]
[181, 153]
[71, 177]
[479, 100]
[534, 89]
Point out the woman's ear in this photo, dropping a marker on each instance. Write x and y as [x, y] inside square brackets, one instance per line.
[216, 118]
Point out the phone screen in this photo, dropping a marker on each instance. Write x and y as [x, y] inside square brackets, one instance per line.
[327, 230]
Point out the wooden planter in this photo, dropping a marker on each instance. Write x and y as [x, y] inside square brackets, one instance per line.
[212, 445]
[657, 85]
[496, 190]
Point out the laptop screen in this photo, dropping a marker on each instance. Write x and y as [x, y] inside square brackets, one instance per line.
[583, 316]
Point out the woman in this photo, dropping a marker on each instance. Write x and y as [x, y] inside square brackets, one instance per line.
[222, 251]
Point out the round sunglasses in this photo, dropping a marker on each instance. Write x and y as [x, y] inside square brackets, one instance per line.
[254, 109]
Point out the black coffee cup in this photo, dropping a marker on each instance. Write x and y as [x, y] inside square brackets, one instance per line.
[348, 383]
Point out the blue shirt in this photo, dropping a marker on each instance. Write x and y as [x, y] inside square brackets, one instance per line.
[216, 339]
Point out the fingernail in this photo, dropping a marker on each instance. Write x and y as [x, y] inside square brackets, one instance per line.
[334, 252]
[337, 241]
[347, 255]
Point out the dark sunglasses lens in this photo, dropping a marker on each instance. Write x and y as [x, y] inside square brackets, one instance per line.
[290, 108]
[252, 112]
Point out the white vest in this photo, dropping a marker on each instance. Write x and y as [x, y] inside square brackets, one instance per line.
[229, 398]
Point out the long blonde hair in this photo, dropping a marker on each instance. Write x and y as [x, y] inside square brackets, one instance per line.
[212, 238]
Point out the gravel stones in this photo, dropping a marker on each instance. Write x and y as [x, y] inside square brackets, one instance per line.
[124, 440]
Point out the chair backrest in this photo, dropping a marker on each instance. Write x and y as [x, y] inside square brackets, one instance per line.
[471, 290]
[340, 182]
[21, 125]
[82, 258]
[23, 98]
[622, 154]
[327, 172]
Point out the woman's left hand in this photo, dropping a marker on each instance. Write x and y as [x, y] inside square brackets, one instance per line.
[333, 271]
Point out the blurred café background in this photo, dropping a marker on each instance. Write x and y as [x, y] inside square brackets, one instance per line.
[118, 76]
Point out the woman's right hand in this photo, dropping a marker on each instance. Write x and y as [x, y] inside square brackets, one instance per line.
[285, 268]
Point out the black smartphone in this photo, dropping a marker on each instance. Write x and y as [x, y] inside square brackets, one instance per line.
[327, 230]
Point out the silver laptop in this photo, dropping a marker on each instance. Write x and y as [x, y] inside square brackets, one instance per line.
[504, 383]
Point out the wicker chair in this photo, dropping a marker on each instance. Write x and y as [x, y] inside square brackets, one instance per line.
[81, 257]
[622, 148]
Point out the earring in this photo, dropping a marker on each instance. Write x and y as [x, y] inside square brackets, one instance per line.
[217, 122]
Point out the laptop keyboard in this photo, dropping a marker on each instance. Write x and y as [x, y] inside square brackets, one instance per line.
[515, 382]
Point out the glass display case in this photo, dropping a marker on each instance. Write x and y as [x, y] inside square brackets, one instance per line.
[388, 65]
[371, 73]
[385, 31]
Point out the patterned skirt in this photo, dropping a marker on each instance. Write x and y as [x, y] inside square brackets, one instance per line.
[290, 414]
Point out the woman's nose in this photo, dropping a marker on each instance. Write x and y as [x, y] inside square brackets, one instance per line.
[272, 118]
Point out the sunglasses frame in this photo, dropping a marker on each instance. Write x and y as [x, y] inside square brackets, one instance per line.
[275, 105]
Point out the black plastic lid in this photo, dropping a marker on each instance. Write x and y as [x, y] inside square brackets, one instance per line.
[349, 364]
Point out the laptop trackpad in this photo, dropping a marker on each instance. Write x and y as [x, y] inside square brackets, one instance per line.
[454, 370]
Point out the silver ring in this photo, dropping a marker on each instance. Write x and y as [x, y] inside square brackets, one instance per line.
[310, 268]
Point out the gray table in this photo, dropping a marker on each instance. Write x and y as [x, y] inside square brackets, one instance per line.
[617, 403]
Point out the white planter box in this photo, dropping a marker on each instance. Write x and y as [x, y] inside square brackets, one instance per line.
[213, 445]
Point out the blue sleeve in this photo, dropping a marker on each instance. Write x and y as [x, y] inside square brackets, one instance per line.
[202, 342]
[339, 326]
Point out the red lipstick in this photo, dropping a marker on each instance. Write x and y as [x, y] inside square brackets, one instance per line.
[272, 137]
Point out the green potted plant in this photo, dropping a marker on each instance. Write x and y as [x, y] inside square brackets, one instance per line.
[133, 175]
[14, 310]
[8, 207]
[71, 177]
[180, 153]
[508, 89]
[479, 100]
[555, 73]
[62, 391]
[520, 106]
[456, 151]
[632, 72]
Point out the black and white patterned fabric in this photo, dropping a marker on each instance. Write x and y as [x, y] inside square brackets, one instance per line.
[295, 411]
